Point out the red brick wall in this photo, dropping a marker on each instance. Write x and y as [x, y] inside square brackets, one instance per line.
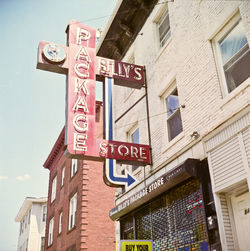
[94, 229]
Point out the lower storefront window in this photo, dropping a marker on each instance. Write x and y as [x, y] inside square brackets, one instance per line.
[174, 221]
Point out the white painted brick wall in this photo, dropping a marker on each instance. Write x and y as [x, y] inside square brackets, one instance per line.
[189, 58]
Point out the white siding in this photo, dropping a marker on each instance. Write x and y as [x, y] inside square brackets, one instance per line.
[246, 139]
[227, 164]
[227, 223]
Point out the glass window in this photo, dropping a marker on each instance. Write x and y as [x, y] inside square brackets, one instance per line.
[63, 176]
[29, 216]
[74, 166]
[72, 211]
[135, 139]
[51, 228]
[235, 55]
[174, 122]
[42, 243]
[164, 28]
[44, 213]
[60, 223]
[53, 190]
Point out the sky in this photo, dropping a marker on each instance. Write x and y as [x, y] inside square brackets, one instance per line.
[32, 102]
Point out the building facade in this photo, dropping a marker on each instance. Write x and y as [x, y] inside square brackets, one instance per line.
[78, 201]
[194, 112]
[32, 218]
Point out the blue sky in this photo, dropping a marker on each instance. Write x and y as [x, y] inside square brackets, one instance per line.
[32, 102]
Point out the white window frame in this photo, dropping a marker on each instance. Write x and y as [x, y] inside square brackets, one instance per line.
[53, 189]
[74, 167]
[44, 213]
[63, 175]
[172, 87]
[50, 234]
[29, 215]
[164, 13]
[72, 211]
[215, 43]
[60, 222]
[134, 168]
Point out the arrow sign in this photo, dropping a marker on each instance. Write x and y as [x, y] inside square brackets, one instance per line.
[111, 177]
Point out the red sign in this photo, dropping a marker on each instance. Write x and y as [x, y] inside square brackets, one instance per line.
[79, 61]
[125, 74]
[80, 124]
[125, 151]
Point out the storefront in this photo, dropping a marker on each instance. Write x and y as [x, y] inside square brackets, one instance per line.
[176, 211]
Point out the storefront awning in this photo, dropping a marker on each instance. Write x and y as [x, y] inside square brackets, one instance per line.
[187, 169]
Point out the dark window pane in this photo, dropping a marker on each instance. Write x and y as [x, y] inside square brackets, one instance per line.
[174, 125]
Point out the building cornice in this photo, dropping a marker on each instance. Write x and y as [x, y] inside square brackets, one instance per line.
[26, 206]
[123, 27]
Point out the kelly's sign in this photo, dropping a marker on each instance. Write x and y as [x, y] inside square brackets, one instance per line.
[78, 60]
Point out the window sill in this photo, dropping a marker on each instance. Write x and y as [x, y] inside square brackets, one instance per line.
[72, 229]
[237, 91]
[171, 143]
[163, 48]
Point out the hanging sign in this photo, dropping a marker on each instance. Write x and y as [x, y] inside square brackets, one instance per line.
[79, 62]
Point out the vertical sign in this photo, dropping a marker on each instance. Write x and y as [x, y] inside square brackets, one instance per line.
[80, 119]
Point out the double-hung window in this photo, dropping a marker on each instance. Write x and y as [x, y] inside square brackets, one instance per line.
[53, 189]
[63, 176]
[164, 28]
[44, 213]
[60, 222]
[134, 138]
[174, 122]
[51, 229]
[233, 55]
[74, 166]
[72, 211]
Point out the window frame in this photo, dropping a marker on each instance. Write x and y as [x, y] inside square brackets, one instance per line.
[63, 176]
[50, 232]
[164, 13]
[53, 189]
[130, 134]
[72, 212]
[60, 219]
[223, 33]
[44, 213]
[170, 90]
[73, 171]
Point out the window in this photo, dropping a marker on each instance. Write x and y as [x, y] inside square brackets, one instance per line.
[164, 28]
[74, 166]
[134, 138]
[29, 216]
[60, 222]
[174, 123]
[51, 228]
[42, 243]
[234, 55]
[72, 211]
[44, 213]
[53, 190]
[63, 176]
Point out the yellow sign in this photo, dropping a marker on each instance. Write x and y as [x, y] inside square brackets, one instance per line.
[136, 245]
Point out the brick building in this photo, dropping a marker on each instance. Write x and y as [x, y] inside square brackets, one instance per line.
[195, 196]
[78, 201]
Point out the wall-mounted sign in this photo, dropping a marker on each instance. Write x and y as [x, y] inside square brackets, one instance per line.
[79, 62]
[135, 245]
[54, 53]
[168, 180]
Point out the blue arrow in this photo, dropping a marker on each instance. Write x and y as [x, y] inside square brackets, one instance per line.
[110, 164]
[126, 179]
